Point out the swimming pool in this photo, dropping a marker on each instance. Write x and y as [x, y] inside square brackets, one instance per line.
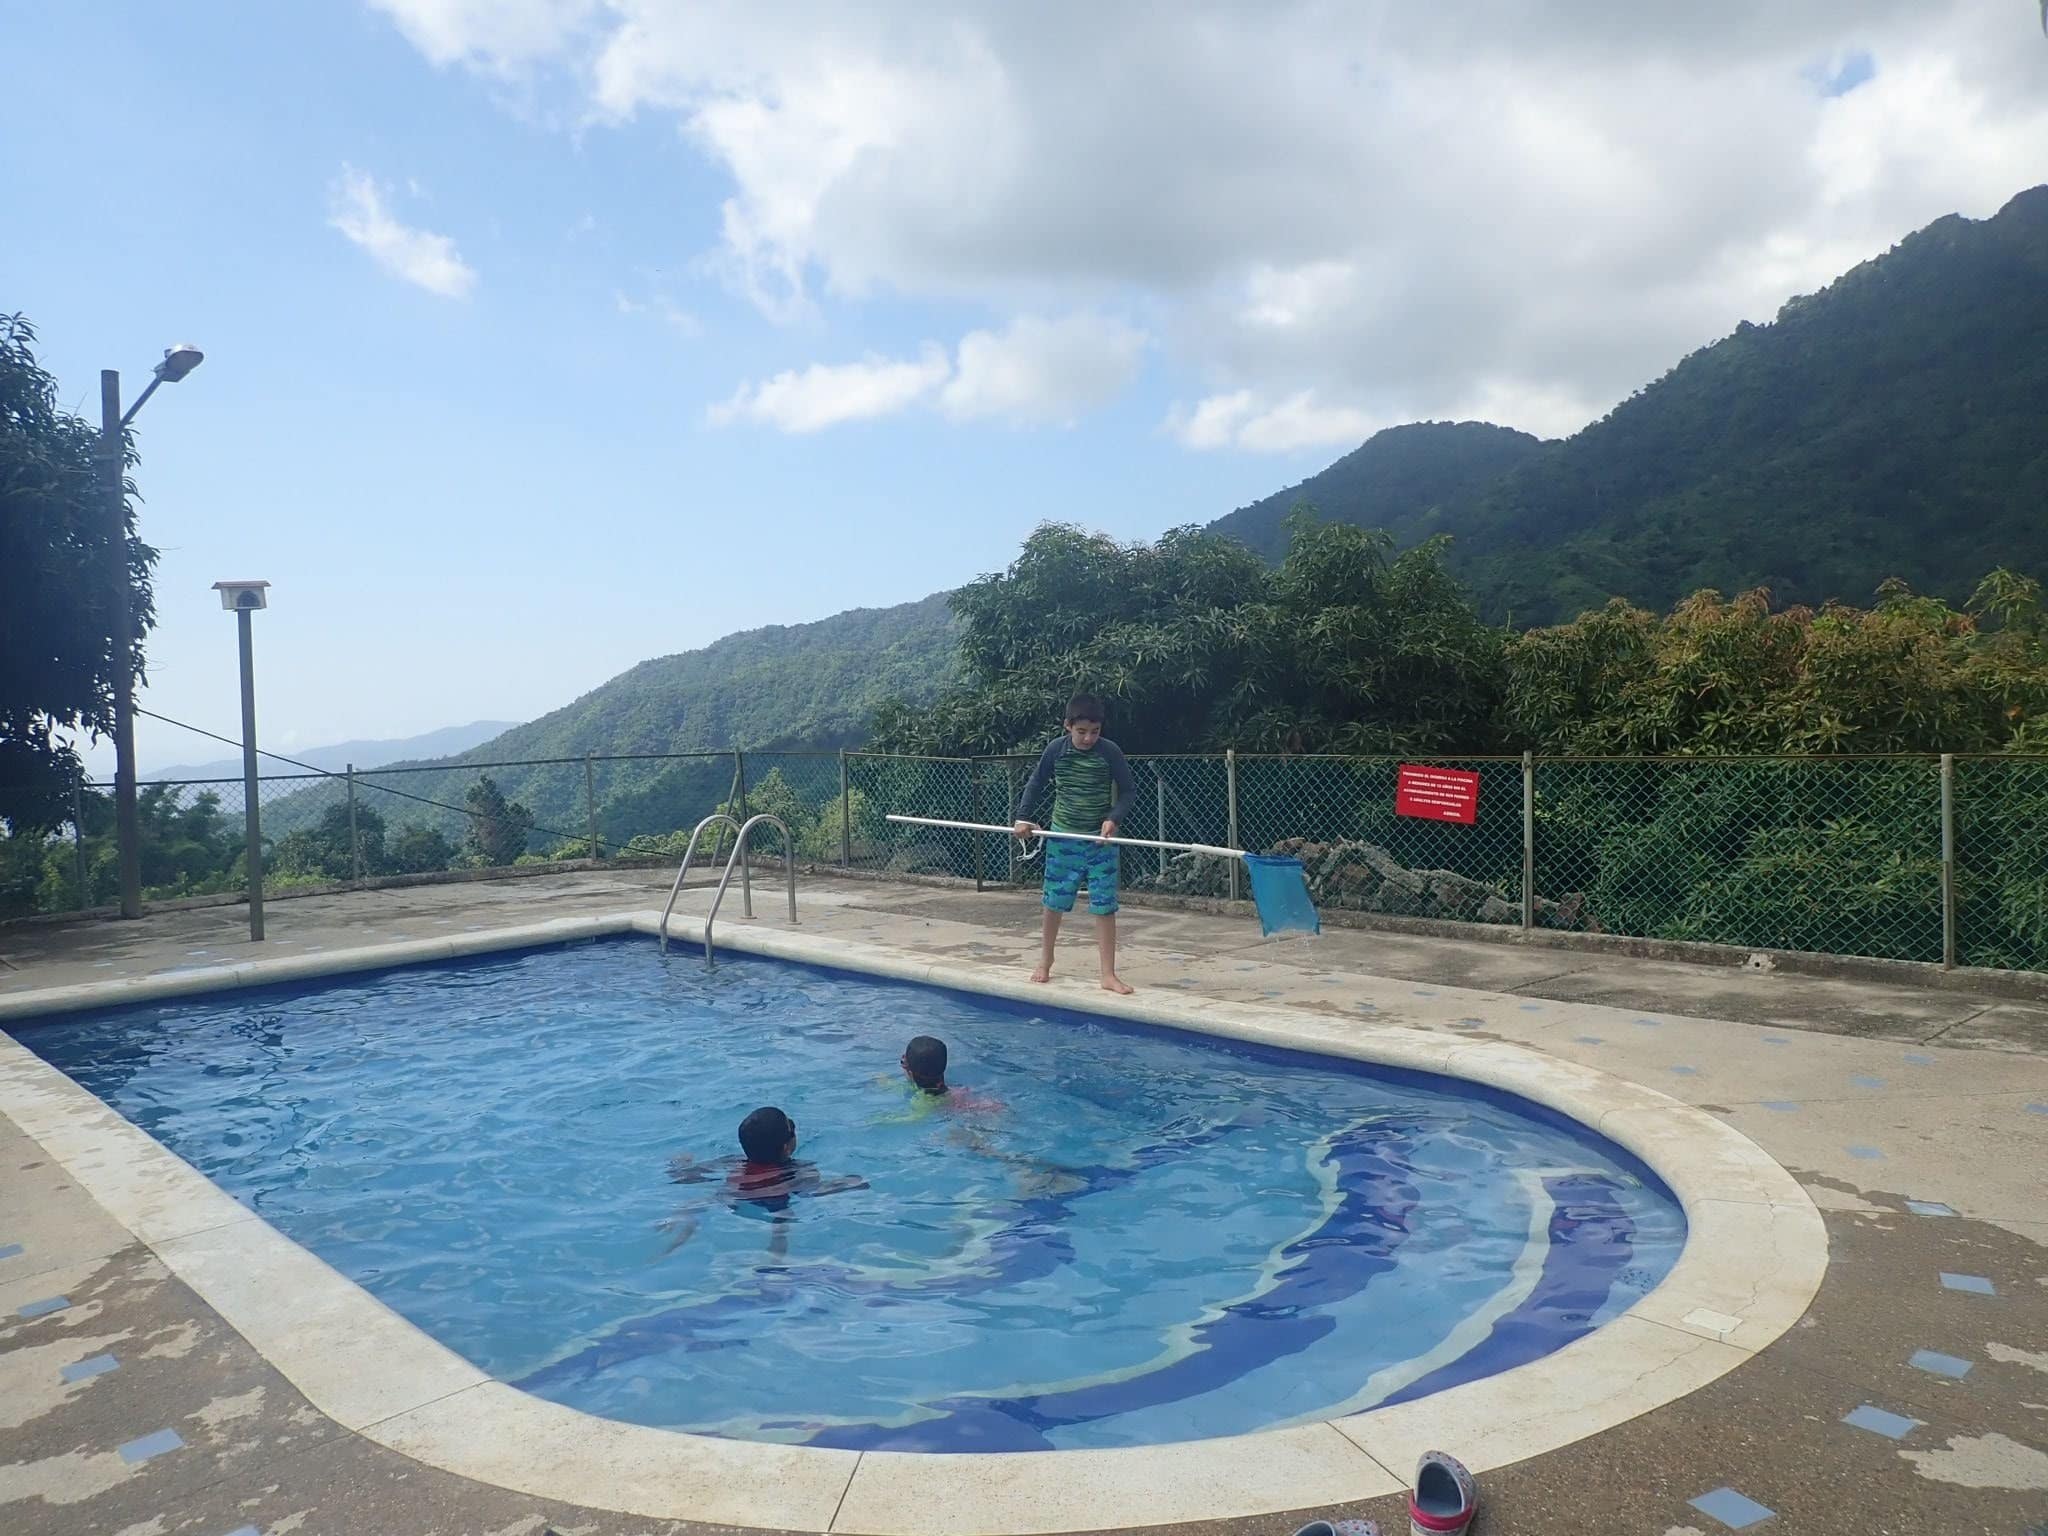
[1156, 1238]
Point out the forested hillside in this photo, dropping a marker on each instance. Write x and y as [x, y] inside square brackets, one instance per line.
[1893, 425]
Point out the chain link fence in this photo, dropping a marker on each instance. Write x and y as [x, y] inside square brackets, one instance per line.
[1890, 857]
[1831, 855]
[942, 789]
[2001, 862]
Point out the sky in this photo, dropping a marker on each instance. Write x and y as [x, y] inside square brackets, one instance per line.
[545, 336]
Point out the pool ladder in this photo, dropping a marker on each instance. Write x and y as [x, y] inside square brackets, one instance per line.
[739, 857]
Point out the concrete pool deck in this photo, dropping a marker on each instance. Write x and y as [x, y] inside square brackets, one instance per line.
[1884, 1110]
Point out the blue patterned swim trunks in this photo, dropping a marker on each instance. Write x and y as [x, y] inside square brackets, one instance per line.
[1069, 864]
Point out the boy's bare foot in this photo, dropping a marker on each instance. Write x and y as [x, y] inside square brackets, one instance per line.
[1116, 983]
[1042, 974]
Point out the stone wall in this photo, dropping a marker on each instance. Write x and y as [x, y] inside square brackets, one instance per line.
[1364, 877]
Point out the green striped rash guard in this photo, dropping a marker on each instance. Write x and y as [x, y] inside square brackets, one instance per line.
[1088, 788]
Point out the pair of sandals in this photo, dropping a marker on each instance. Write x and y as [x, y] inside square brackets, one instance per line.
[1441, 1503]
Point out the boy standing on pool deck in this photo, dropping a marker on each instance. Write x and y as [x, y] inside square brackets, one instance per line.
[1092, 791]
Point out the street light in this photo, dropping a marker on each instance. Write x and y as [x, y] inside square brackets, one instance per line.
[244, 598]
[178, 361]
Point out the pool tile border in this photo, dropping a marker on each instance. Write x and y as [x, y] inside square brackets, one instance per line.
[426, 1402]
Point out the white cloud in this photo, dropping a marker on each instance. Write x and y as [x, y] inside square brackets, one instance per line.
[1305, 419]
[1282, 300]
[1214, 422]
[663, 308]
[1240, 420]
[1043, 370]
[1033, 370]
[496, 35]
[429, 261]
[829, 394]
[1376, 211]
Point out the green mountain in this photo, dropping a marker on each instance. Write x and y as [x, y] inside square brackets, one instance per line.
[1395, 480]
[1892, 424]
[364, 754]
[796, 686]
[787, 685]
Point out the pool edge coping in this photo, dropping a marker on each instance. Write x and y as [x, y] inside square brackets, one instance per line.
[1754, 1258]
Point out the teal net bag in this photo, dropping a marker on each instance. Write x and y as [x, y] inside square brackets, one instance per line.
[1280, 890]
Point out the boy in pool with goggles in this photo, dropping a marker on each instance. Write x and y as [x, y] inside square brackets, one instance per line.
[924, 1063]
[766, 1176]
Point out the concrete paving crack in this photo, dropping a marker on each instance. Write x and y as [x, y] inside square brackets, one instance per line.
[1521, 989]
[852, 1473]
[1956, 1024]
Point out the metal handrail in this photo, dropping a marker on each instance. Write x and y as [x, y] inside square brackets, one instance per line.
[738, 856]
[746, 874]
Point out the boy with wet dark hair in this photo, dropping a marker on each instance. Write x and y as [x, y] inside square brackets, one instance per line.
[1092, 791]
[768, 1137]
[924, 1063]
[766, 1176]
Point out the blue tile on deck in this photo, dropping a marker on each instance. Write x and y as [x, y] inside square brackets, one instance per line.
[2037, 1109]
[1914, 1058]
[9, 1250]
[1930, 1208]
[1650, 1023]
[1425, 992]
[1687, 1071]
[1976, 1285]
[84, 1370]
[1867, 1082]
[1936, 1363]
[1587, 1039]
[1735, 1510]
[1866, 1154]
[151, 1445]
[1532, 1007]
[1471, 1024]
[1893, 1426]
[44, 1307]
[1776, 1040]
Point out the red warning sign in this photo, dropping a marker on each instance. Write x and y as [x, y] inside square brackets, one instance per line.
[1437, 794]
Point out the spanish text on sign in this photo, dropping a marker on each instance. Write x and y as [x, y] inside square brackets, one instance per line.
[1436, 794]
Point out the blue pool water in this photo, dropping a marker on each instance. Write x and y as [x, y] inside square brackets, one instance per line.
[1148, 1236]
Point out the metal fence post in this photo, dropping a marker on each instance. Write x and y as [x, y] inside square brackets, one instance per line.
[78, 842]
[1011, 810]
[590, 800]
[355, 842]
[980, 842]
[1948, 861]
[1230, 812]
[1159, 784]
[1528, 841]
[845, 814]
[739, 779]
[252, 791]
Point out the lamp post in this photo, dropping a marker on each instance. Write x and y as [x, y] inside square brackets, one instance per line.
[178, 361]
[244, 598]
